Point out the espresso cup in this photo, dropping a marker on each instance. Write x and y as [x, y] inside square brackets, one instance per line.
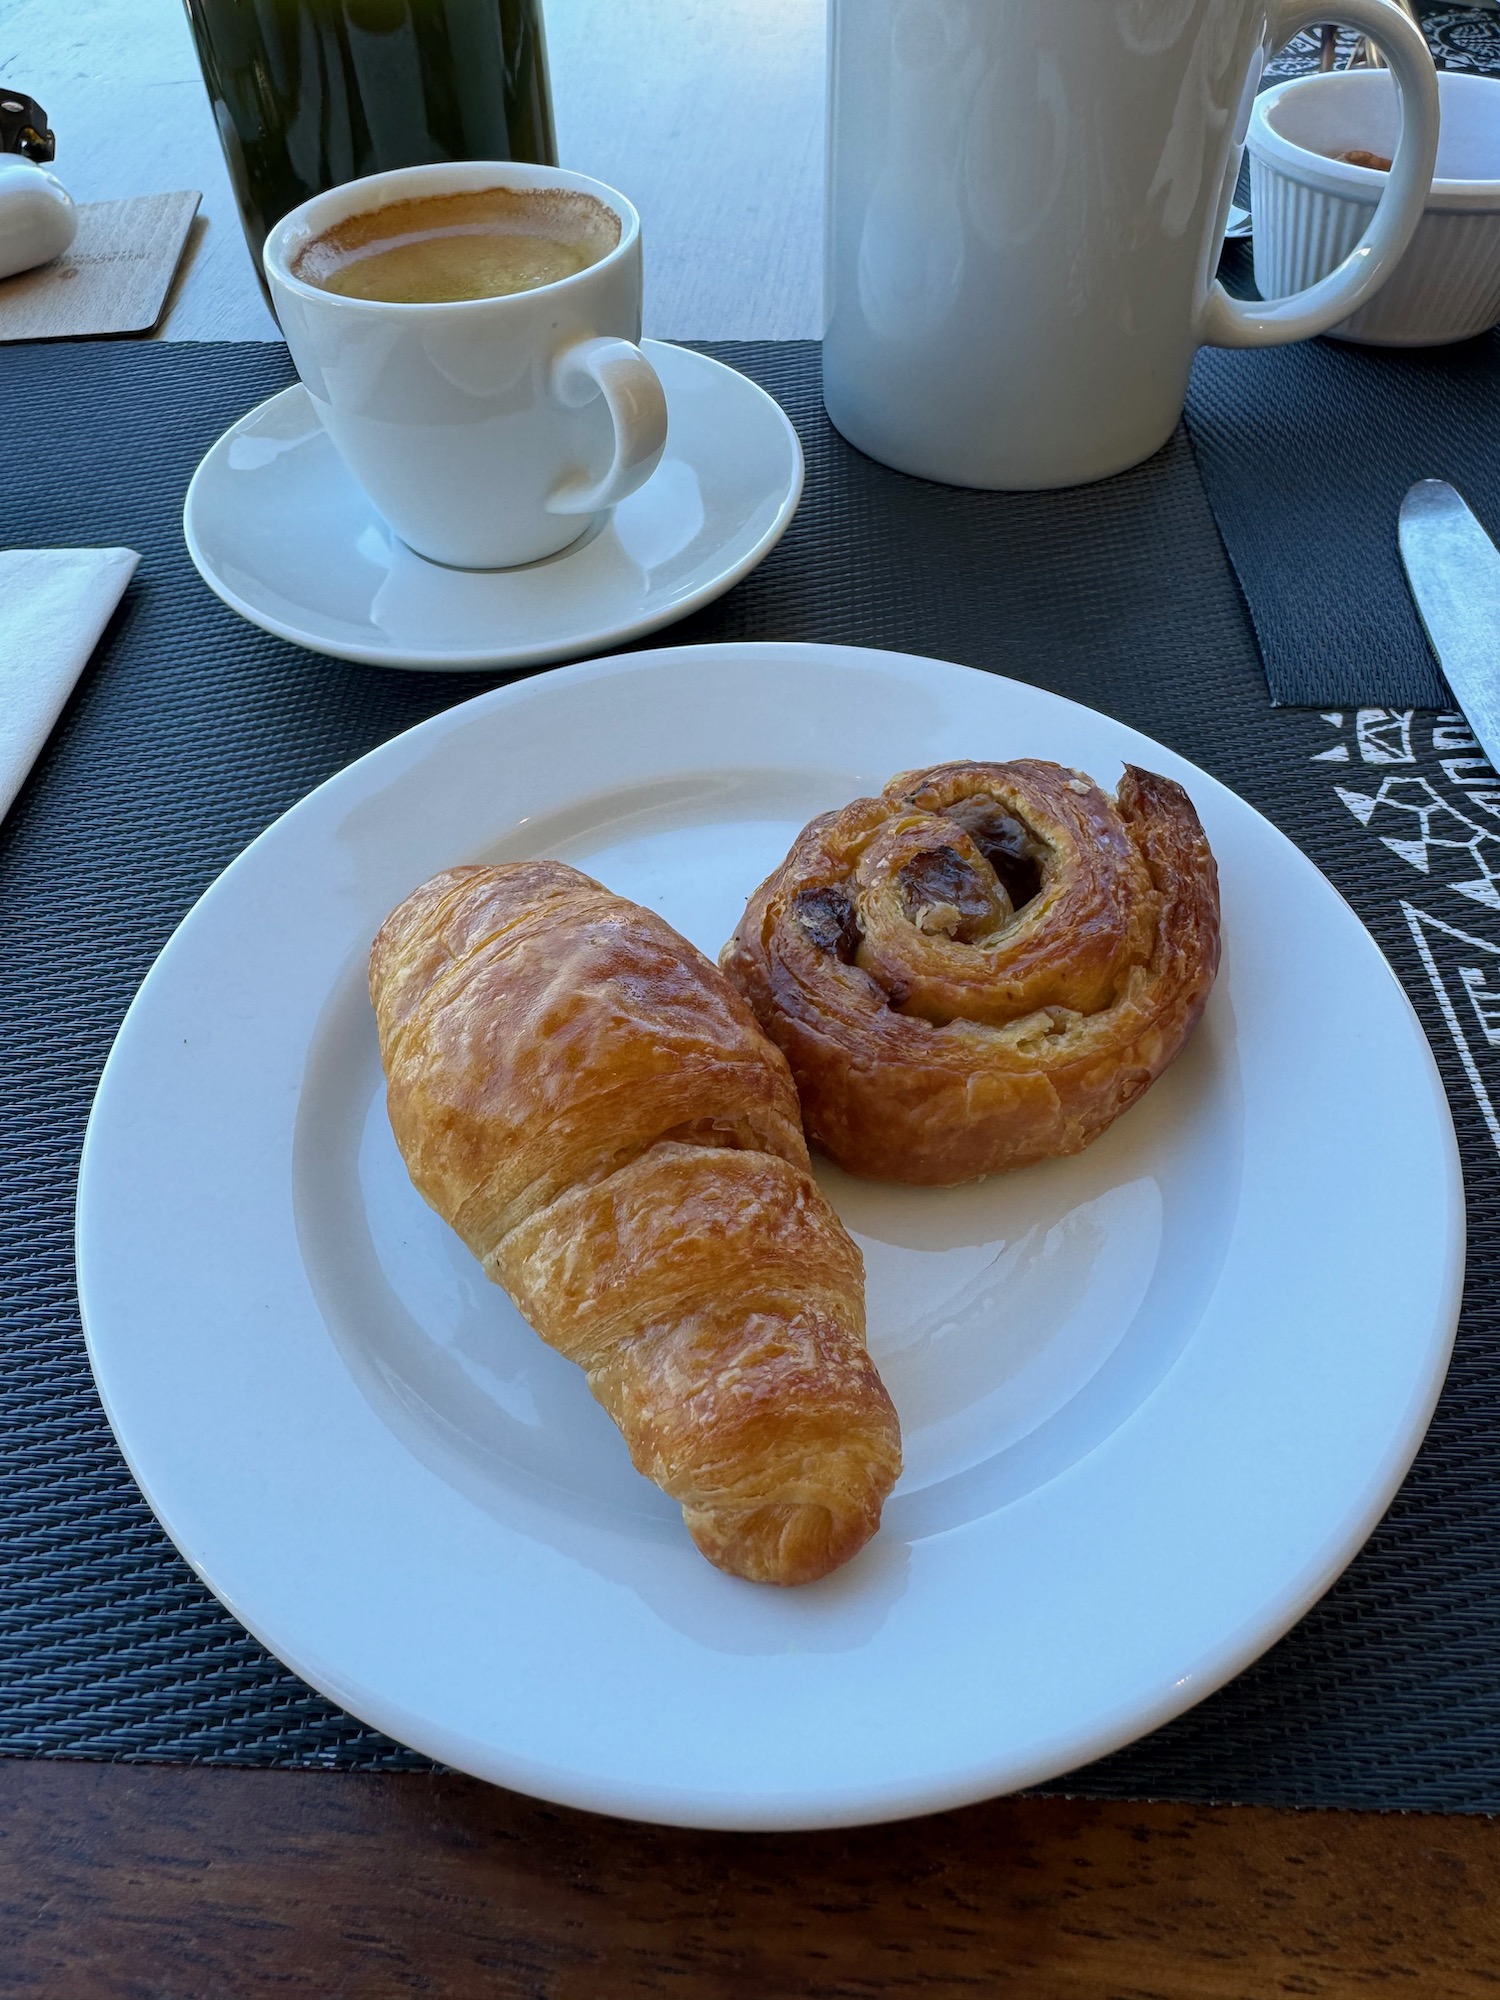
[489, 431]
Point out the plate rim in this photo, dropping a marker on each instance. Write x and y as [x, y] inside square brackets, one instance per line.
[868, 1804]
[566, 647]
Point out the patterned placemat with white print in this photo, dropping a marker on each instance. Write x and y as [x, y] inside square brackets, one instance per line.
[1421, 786]
[1459, 37]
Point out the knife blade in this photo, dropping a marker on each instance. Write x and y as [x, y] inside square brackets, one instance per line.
[1453, 569]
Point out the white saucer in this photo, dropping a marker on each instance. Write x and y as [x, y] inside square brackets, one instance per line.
[281, 532]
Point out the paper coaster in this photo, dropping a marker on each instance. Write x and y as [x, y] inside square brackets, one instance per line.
[115, 277]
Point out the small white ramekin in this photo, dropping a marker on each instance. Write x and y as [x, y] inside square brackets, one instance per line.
[1310, 210]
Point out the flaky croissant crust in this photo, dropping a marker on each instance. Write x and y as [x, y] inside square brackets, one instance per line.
[591, 1105]
[983, 967]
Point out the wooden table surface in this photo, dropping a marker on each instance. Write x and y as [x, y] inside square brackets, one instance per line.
[165, 1883]
[161, 1882]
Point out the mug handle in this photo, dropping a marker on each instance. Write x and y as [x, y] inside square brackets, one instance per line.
[632, 393]
[1227, 322]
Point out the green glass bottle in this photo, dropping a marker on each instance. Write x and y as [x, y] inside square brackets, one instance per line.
[311, 93]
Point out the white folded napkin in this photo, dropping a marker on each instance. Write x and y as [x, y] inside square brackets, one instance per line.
[54, 603]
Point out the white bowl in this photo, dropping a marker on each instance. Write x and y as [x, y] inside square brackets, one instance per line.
[1310, 210]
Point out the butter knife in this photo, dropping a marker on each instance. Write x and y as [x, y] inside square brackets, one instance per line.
[1453, 569]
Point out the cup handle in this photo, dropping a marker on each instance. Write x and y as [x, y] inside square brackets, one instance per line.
[1227, 322]
[632, 392]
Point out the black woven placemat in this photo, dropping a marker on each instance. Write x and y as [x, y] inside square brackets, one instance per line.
[191, 731]
[1306, 453]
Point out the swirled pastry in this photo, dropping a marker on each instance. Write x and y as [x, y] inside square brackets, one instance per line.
[984, 966]
[590, 1104]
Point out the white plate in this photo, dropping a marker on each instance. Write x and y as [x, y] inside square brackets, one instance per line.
[279, 530]
[1154, 1398]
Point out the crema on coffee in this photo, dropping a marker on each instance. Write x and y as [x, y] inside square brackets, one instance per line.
[483, 243]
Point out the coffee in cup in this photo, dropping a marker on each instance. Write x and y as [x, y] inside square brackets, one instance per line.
[467, 334]
[479, 243]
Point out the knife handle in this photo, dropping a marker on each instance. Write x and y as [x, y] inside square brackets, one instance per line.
[1227, 322]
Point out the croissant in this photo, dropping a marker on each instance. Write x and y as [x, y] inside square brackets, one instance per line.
[983, 967]
[590, 1104]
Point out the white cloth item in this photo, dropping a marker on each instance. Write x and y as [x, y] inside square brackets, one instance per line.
[54, 603]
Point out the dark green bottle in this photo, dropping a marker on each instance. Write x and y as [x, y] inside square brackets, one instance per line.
[311, 93]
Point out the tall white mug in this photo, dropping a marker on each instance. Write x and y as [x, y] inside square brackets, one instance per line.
[1026, 200]
[489, 432]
